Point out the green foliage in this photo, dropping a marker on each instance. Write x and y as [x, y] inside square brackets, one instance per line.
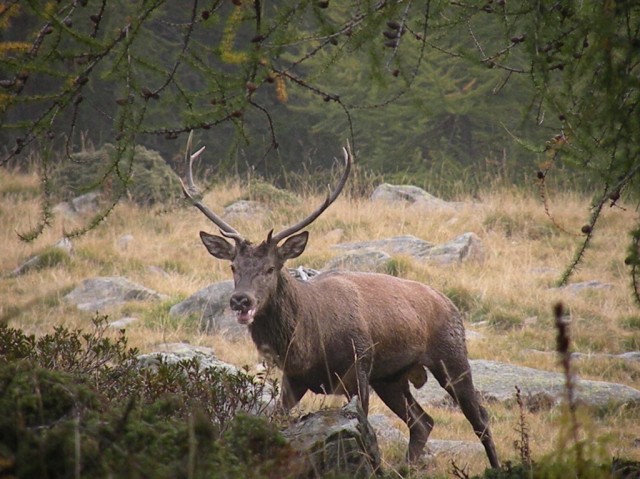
[503, 317]
[259, 190]
[148, 181]
[157, 316]
[465, 300]
[631, 322]
[53, 256]
[398, 266]
[74, 403]
[432, 91]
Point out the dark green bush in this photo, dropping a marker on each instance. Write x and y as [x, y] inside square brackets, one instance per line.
[74, 403]
[146, 178]
[264, 192]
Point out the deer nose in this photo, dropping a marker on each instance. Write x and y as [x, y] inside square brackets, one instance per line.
[241, 302]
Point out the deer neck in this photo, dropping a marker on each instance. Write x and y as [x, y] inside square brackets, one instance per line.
[273, 328]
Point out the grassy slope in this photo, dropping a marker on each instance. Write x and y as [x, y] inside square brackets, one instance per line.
[508, 297]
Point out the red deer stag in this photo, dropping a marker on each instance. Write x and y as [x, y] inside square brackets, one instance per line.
[340, 332]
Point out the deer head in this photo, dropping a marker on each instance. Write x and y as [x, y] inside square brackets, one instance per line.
[256, 268]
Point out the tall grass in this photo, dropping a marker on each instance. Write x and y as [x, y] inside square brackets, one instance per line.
[508, 297]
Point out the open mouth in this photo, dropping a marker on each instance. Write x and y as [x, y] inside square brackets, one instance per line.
[245, 317]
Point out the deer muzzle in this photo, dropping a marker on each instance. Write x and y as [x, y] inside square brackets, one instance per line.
[244, 306]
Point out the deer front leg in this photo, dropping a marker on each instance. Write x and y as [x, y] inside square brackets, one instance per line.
[292, 392]
[356, 382]
[363, 388]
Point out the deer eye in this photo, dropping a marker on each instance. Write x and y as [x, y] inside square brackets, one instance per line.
[270, 270]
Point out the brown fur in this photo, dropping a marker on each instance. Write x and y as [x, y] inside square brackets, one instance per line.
[342, 332]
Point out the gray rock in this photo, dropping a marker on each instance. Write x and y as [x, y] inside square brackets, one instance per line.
[388, 435]
[461, 452]
[406, 194]
[32, 264]
[96, 294]
[336, 442]
[628, 356]
[82, 205]
[172, 353]
[387, 432]
[87, 203]
[124, 241]
[211, 306]
[467, 246]
[540, 389]
[122, 323]
[156, 270]
[368, 260]
[64, 244]
[36, 262]
[243, 210]
[576, 288]
[65, 209]
[544, 270]
[474, 335]
[407, 244]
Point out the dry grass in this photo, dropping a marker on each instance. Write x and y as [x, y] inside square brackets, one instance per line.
[508, 297]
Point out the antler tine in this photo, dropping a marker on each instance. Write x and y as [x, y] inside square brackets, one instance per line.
[191, 192]
[331, 197]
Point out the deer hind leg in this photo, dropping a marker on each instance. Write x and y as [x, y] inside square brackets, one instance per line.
[397, 396]
[456, 380]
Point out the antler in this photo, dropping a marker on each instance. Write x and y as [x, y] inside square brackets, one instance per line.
[191, 192]
[331, 197]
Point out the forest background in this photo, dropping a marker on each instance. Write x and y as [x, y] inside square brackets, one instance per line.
[447, 95]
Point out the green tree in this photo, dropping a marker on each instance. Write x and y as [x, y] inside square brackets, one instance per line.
[426, 83]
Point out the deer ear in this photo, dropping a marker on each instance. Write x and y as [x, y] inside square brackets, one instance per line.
[218, 246]
[294, 246]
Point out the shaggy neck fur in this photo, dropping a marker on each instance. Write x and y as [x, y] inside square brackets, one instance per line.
[274, 325]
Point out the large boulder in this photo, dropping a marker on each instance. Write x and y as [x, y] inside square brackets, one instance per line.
[211, 306]
[336, 442]
[466, 247]
[58, 253]
[259, 395]
[406, 194]
[373, 255]
[497, 381]
[83, 205]
[585, 286]
[391, 436]
[408, 245]
[98, 294]
[244, 210]
[363, 260]
[172, 353]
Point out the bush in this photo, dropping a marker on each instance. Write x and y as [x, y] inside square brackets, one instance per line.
[146, 179]
[74, 403]
[264, 192]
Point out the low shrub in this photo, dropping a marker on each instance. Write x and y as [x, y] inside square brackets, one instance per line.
[146, 178]
[78, 404]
